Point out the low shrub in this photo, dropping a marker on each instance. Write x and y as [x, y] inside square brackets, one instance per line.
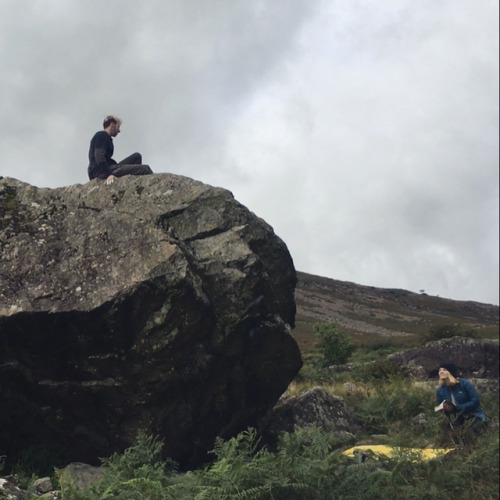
[335, 345]
[447, 330]
[390, 403]
[381, 370]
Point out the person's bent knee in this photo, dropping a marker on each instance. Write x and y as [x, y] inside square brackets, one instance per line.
[133, 159]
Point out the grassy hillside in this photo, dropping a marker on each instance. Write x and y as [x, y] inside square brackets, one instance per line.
[390, 316]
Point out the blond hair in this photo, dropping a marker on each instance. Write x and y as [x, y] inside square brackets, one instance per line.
[451, 380]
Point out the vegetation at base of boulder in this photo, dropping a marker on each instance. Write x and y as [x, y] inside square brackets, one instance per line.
[335, 345]
[34, 462]
[139, 472]
[307, 464]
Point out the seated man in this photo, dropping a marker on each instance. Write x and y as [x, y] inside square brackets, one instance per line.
[101, 163]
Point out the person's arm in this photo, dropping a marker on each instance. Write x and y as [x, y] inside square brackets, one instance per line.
[100, 149]
[442, 396]
[100, 159]
[472, 397]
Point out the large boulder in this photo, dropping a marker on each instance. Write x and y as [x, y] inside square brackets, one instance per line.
[157, 303]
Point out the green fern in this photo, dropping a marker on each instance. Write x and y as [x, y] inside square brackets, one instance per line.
[306, 464]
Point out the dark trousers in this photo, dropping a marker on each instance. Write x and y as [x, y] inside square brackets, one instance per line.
[131, 165]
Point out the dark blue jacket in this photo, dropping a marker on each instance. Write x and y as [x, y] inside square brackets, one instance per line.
[466, 398]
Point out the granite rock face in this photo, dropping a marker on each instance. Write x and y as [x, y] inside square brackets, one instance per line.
[157, 303]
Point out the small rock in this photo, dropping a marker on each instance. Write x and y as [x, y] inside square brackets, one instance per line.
[42, 485]
[10, 491]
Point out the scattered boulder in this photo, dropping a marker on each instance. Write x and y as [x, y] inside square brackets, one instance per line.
[157, 304]
[42, 485]
[313, 407]
[474, 358]
[9, 489]
[79, 476]
[41, 488]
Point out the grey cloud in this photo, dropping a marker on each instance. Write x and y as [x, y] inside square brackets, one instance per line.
[366, 134]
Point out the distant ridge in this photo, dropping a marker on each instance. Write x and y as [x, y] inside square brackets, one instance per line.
[363, 310]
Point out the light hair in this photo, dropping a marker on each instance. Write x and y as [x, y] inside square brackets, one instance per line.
[451, 380]
[109, 119]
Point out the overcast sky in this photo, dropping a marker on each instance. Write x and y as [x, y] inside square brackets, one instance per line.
[365, 132]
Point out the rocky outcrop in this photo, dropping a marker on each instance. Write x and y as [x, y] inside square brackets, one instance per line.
[157, 303]
[313, 407]
[475, 358]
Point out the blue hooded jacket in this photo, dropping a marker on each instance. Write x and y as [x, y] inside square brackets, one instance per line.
[466, 398]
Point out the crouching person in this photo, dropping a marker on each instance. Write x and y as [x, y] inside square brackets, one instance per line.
[458, 400]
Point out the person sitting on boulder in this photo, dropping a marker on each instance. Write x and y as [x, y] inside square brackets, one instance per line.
[101, 163]
[457, 398]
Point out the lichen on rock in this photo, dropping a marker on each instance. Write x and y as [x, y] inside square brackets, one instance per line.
[157, 303]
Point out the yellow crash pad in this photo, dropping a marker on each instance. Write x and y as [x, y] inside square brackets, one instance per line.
[396, 451]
